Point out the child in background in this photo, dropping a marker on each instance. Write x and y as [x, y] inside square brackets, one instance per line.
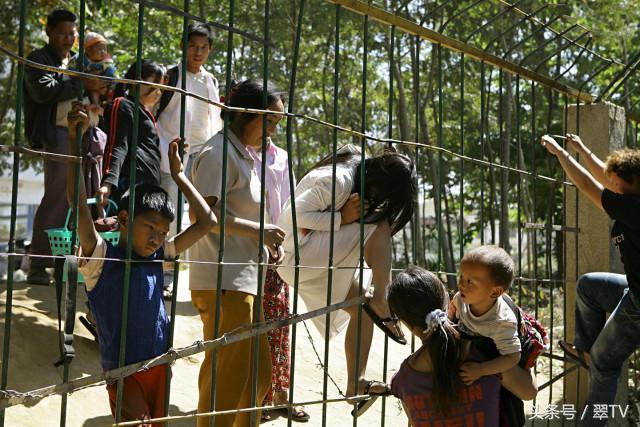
[97, 61]
[486, 273]
[148, 325]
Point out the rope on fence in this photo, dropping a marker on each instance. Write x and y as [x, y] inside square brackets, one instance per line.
[353, 399]
[9, 398]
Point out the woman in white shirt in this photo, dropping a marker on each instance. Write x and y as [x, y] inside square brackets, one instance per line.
[389, 197]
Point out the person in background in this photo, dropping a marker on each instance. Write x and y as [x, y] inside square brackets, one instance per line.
[387, 211]
[104, 272]
[276, 291]
[119, 119]
[602, 344]
[428, 382]
[47, 100]
[240, 278]
[201, 120]
[97, 61]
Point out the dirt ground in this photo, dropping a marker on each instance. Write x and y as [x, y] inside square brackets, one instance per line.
[34, 348]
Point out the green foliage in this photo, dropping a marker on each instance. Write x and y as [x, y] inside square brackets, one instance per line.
[476, 109]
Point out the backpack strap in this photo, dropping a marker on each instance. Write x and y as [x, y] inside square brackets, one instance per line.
[70, 262]
[516, 310]
[166, 96]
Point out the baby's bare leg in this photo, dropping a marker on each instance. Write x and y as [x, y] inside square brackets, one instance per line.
[521, 382]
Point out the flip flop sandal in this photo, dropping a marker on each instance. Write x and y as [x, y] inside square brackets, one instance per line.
[578, 356]
[365, 404]
[381, 323]
[297, 414]
[266, 416]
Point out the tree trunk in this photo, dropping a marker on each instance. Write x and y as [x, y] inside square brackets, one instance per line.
[434, 168]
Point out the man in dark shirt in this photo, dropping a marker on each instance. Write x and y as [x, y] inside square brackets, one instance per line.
[47, 100]
[602, 345]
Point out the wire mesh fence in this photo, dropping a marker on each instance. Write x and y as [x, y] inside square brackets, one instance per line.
[468, 111]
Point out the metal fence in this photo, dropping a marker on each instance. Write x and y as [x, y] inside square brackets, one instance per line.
[487, 179]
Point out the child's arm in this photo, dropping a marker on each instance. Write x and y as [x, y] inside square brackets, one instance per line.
[204, 217]
[87, 233]
[471, 371]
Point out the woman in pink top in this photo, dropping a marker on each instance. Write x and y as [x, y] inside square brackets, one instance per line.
[276, 290]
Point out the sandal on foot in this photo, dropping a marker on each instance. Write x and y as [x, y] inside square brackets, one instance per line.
[297, 413]
[573, 353]
[365, 404]
[265, 416]
[167, 294]
[381, 323]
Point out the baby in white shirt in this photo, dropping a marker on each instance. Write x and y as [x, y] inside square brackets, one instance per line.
[486, 273]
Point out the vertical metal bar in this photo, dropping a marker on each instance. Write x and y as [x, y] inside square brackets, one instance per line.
[392, 64]
[336, 103]
[363, 128]
[17, 133]
[179, 200]
[504, 174]
[461, 222]
[482, 115]
[257, 303]
[440, 183]
[76, 184]
[223, 214]
[548, 247]
[533, 198]
[564, 242]
[519, 188]
[416, 91]
[294, 220]
[576, 225]
[392, 51]
[133, 146]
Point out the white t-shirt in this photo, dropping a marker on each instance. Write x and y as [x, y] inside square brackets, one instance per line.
[499, 323]
[199, 112]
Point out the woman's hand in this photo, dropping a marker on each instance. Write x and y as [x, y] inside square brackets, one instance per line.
[273, 238]
[175, 162]
[350, 212]
[103, 194]
[551, 145]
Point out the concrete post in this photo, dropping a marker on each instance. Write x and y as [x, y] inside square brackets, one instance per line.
[601, 127]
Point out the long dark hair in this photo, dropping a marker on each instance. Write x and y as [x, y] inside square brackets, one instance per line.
[148, 69]
[389, 185]
[248, 94]
[412, 295]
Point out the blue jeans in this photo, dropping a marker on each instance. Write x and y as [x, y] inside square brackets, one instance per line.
[609, 341]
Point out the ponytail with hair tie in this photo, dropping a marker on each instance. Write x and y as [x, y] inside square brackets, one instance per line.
[434, 320]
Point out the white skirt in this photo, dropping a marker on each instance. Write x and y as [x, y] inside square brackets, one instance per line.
[313, 283]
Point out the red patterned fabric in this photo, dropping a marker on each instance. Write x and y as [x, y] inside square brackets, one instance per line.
[276, 306]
